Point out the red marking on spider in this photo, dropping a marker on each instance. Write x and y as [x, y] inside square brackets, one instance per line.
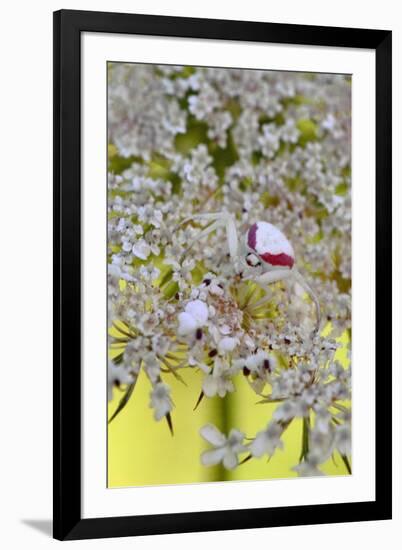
[252, 236]
[278, 259]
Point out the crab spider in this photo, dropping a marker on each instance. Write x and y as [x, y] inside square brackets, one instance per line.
[263, 246]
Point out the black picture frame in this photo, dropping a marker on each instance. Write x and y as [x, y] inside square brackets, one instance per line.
[68, 26]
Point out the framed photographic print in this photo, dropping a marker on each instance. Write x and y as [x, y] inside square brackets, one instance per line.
[222, 208]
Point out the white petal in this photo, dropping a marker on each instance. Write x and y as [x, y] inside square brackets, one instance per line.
[211, 311]
[236, 437]
[304, 469]
[224, 387]
[215, 289]
[187, 323]
[114, 270]
[227, 344]
[141, 249]
[126, 276]
[252, 362]
[211, 434]
[160, 400]
[343, 438]
[161, 409]
[198, 310]
[204, 367]
[249, 341]
[259, 446]
[210, 385]
[230, 460]
[225, 329]
[210, 458]
[285, 411]
[214, 332]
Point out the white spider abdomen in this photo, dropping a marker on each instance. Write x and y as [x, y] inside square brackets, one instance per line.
[270, 244]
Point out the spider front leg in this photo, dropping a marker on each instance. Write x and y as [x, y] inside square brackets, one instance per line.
[303, 283]
[274, 276]
[266, 279]
[217, 219]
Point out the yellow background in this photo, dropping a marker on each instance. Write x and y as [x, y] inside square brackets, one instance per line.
[142, 451]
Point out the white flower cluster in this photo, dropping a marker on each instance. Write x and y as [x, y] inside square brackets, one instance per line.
[261, 145]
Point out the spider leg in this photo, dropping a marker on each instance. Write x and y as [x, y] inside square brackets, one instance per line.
[203, 233]
[272, 276]
[218, 219]
[303, 283]
[265, 279]
[211, 216]
[232, 237]
[267, 296]
[279, 275]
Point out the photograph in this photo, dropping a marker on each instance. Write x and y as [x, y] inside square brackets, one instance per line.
[229, 274]
[201, 249]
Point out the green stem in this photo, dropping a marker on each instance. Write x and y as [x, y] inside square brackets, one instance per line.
[305, 438]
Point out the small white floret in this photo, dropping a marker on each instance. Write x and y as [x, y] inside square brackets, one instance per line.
[227, 344]
[116, 376]
[198, 310]
[187, 324]
[194, 316]
[160, 400]
[226, 448]
[141, 249]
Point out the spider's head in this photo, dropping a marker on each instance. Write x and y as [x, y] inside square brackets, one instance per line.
[252, 259]
[266, 244]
